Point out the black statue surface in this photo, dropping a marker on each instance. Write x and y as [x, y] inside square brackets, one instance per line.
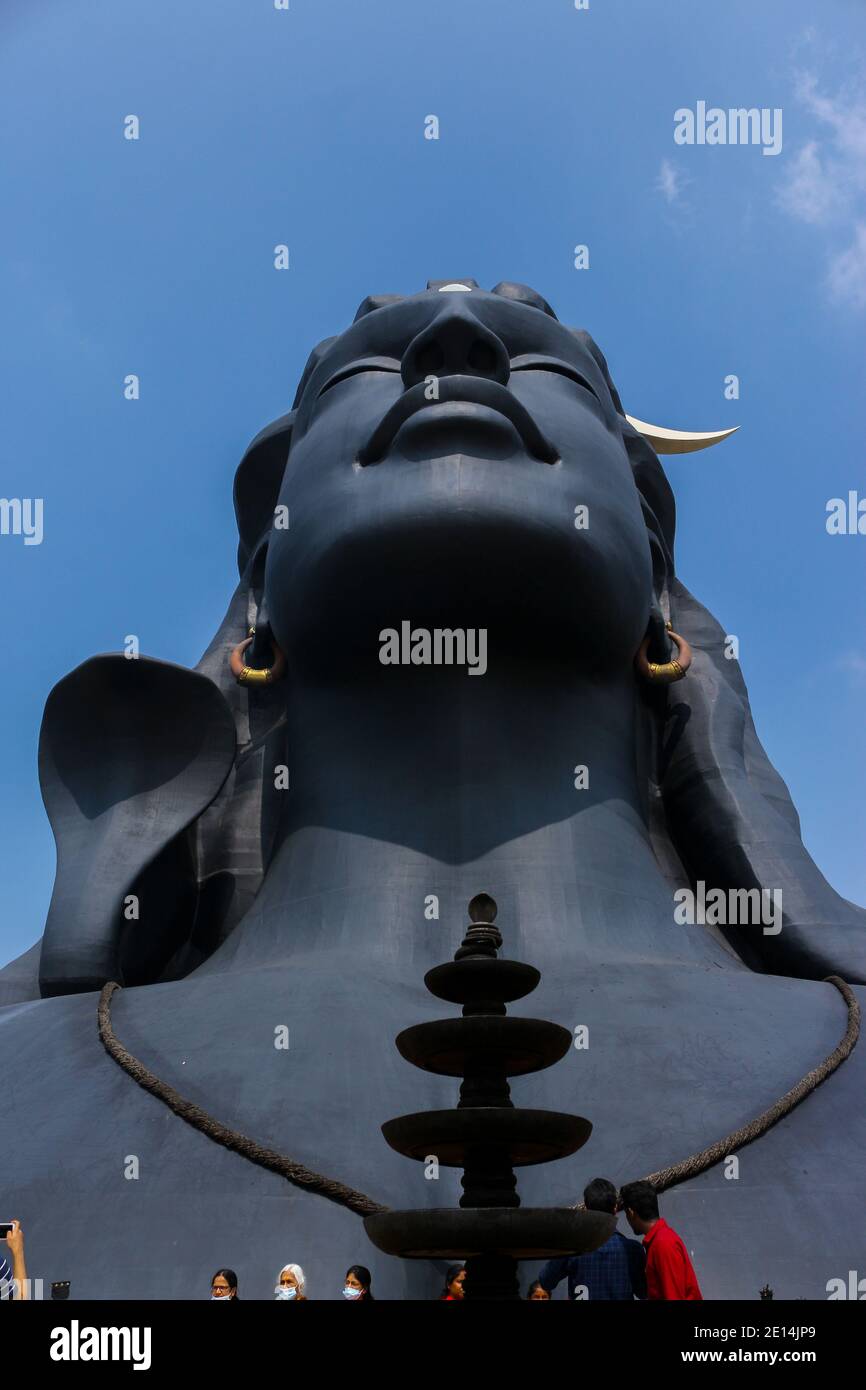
[273, 859]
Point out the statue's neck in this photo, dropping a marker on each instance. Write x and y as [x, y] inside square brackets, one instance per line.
[420, 784]
[453, 766]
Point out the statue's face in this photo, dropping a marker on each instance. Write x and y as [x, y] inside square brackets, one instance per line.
[459, 511]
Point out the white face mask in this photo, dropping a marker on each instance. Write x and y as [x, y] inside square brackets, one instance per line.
[220, 1298]
[352, 1293]
[285, 1291]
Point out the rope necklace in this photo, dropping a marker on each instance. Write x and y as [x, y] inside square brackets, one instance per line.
[363, 1205]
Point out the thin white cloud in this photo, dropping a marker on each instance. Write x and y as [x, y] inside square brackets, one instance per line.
[810, 191]
[845, 114]
[846, 276]
[670, 182]
[825, 182]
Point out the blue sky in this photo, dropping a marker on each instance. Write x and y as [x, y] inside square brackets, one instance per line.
[306, 127]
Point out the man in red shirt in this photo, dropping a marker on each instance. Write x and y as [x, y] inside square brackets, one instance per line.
[669, 1272]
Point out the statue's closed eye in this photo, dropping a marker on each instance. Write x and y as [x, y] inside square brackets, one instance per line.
[526, 362]
[367, 364]
[532, 362]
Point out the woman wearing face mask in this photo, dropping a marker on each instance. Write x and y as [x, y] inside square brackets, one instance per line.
[224, 1284]
[356, 1286]
[291, 1284]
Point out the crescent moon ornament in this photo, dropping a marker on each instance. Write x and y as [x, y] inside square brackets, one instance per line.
[666, 441]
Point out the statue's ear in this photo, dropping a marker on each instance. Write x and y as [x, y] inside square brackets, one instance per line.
[257, 484]
[130, 754]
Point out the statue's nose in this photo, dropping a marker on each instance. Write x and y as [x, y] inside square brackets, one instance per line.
[455, 343]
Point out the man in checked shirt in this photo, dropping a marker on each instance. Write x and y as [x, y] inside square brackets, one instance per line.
[616, 1270]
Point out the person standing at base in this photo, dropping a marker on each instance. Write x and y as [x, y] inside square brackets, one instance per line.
[615, 1271]
[669, 1272]
[224, 1285]
[454, 1281]
[291, 1285]
[13, 1281]
[537, 1293]
[357, 1287]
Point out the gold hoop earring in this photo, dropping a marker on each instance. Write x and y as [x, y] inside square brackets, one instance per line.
[253, 675]
[665, 672]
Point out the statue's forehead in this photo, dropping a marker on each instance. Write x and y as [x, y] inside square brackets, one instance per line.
[386, 330]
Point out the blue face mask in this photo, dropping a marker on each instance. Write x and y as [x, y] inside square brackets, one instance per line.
[285, 1291]
[352, 1293]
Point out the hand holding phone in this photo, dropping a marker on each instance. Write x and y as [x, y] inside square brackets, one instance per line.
[14, 1237]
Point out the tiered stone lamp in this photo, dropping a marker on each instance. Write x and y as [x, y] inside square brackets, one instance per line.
[486, 1135]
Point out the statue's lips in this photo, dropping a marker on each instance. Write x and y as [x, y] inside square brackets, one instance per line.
[473, 390]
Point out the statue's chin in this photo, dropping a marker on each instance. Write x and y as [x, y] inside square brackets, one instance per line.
[538, 589]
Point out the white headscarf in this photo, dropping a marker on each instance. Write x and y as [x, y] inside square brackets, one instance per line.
[299, 1278]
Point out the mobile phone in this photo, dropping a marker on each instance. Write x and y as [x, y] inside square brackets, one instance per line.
[5, 1228]
[60, 1289]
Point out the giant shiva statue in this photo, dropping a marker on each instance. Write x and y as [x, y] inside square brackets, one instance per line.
[270, 850]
